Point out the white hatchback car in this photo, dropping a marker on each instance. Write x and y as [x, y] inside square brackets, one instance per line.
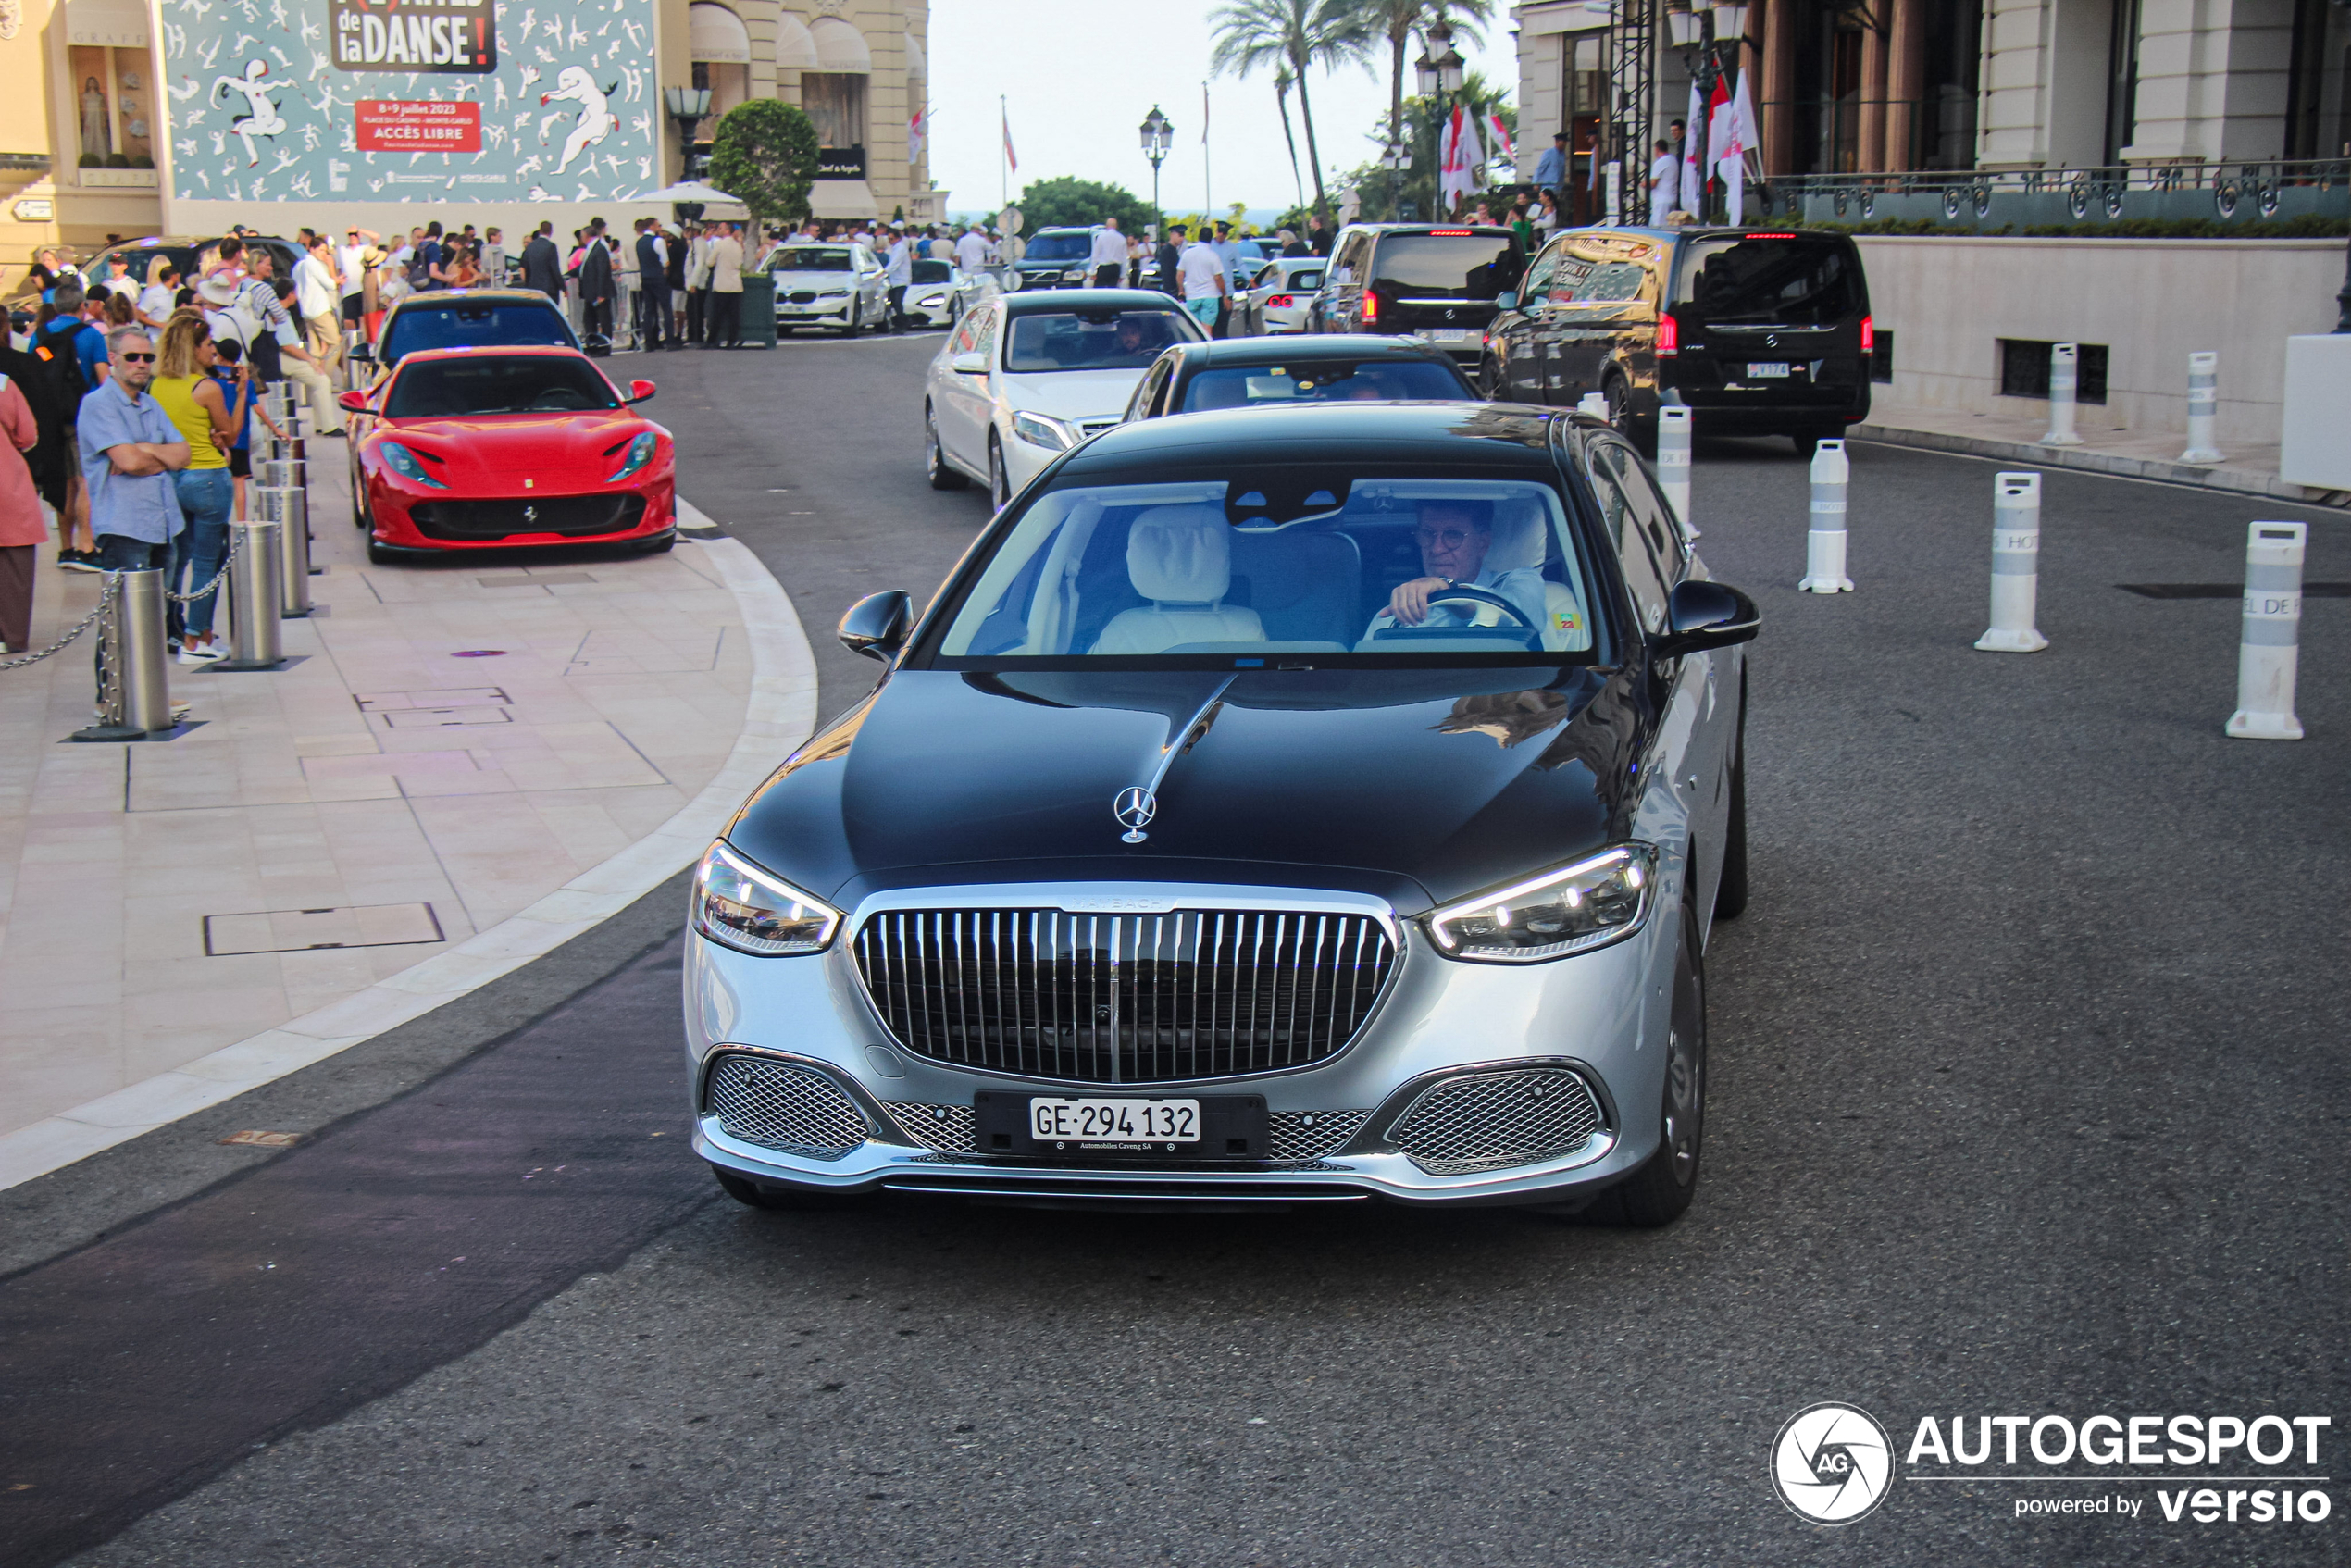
[1024, 377]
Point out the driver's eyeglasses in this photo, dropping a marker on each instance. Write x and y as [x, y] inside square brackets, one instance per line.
[128, 358]
[1452, 539]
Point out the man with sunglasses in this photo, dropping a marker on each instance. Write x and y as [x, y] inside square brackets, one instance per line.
[1453, 537]
[129, 450]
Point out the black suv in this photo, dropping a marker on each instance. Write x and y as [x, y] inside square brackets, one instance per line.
[1056, 258]
[1760, 333]
[1435, 280]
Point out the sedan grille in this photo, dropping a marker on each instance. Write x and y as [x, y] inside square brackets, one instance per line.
[1310, 1135]
[571, 516]
[1123, 999]
[1488, 1120]
[780, 1107]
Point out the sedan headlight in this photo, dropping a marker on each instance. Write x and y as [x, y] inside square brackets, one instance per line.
[1573, 909]
[931, 301]
[1075, 275]
[406, 463]
[640, 451]
[1043, 430]
[752, 911]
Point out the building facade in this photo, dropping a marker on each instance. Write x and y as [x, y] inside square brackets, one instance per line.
[1861, 86]
[126, 117]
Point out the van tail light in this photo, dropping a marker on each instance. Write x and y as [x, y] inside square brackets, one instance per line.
[1669, 334]
[1370, 309]
[1279, 302]
[1869, 337]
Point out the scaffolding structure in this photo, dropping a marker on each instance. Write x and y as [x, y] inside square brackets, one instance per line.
[1632, 64]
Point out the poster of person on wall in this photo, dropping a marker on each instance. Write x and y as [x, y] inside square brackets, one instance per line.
[398, 100]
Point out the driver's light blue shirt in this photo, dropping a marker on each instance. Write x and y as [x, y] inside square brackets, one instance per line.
[1523, 586]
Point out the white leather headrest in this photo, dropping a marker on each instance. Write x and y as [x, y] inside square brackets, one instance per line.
[1518, 538]
[1180, 555]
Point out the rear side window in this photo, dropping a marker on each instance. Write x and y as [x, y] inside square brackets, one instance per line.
[1475, 266]
[1799, 282]
[1307, 278]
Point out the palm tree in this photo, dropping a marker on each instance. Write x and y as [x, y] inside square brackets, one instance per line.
[1298, 33]
[1397, 20]
[1283, 83]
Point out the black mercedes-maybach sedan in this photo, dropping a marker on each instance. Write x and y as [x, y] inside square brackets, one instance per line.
[1276, 806]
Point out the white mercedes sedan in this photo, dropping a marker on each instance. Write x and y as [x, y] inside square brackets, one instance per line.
[1024, 377]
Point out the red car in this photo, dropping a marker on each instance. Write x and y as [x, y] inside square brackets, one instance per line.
[485, 448]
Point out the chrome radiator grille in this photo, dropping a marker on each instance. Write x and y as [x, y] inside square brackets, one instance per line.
[1123, 997]
[1487, 1120]
[783, 1106]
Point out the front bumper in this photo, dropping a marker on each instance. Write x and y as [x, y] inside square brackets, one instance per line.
[412, 518]
[1599, 1016]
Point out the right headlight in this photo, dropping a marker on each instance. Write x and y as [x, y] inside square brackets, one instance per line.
[1575, 909]
[754, 911]
[1043, 430]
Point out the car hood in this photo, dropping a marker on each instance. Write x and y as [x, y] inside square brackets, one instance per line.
[1418, 786]
[787, 282]
[492, 454]
[1071, 395]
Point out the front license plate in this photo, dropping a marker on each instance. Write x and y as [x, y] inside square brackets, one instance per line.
[1224, 1126]
[1774, 369]
[1447, 334]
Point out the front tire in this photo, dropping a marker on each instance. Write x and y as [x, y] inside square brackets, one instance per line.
[1662, 1188]
[850, 327]
[936, 468]
[1730, 893]
[1641, 431]
[1489, 381]
[1000, 484]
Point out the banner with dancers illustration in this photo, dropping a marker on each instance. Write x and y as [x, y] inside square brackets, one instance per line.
[410, 100]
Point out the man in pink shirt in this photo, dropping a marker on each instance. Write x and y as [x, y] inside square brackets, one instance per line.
[21, 529]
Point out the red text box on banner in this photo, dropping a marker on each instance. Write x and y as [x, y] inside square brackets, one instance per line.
[388, 126]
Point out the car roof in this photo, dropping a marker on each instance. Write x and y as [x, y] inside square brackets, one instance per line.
[1496, 230]
[1705, 231]
[442, 298]
[465, 351]
[1304, 347]
[1064, 228]
[1037, 299]
[1510, 437]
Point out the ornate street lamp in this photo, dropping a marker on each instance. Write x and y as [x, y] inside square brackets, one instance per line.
[689, 106]
[1708, 40]
[1159, 135]
[1438, 71]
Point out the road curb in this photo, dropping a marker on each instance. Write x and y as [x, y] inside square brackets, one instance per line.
[2104, 463]
[780, 713]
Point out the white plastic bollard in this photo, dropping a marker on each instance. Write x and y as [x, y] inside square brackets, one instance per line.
[1674, 461]
[1594, 403]
[1824, 544]
[2204, 408]
[2270, 645]
[2064, 382]
[2016, 565]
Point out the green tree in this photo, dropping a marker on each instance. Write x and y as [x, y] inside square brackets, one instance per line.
[1399, 20]
[1300, 34]
[763, 154]
[1071, 203]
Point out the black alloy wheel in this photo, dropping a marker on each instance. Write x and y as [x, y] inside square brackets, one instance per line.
[1641, 432]
[941, 474]
[1661, 1189]
[1489, 380]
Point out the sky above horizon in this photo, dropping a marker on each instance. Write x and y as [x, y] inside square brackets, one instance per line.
[1079, 76]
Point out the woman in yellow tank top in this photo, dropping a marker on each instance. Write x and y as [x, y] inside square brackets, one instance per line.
[193, 401]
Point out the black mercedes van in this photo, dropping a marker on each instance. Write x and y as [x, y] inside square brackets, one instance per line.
[1761, 332]
[1434, 280]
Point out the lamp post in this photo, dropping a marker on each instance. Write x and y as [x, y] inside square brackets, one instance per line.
[1703, 38]
[689, 106]
[1159, 135]
[1396, 159]
[1439, 72]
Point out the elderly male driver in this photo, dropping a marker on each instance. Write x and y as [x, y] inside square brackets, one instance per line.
[1454, 537]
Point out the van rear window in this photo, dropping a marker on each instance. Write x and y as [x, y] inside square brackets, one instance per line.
[1475, 266]
[1781, 282]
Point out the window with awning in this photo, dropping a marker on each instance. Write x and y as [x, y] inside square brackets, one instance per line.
[717, 35]
[841, 47]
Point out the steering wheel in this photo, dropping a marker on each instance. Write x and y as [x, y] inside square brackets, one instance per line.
[1483, 596]
[558, 400]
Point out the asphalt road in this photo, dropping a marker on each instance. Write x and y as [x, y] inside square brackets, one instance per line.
[2027, 1099]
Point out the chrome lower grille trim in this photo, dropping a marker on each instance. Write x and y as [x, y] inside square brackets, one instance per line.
[1128, 999]
[947, 1128]
[779, 1105]
[1485, 1121]
[1310, 1135]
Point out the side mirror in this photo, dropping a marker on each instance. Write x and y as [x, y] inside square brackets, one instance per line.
[353, 403]
[1506, 301]
[639, 390]
[1703, 614]
[876, 625]
[364, 353]
[969, 364]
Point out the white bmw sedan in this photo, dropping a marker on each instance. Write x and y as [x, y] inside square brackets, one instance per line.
[1024, 377]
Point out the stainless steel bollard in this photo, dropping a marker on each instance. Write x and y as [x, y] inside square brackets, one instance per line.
[135, 691]
[1674, 461]
[290, 509]
[2064, 383]
[2270, 646]
[283, 472]
[253, 584]
[2016, 565]
[2204, 408]
[1824, 542]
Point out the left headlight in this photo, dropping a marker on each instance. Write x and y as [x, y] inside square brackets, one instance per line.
[754, 911]
[1573, 909]
[406, 463]
[640, 451]
[931, 301]
[1043, 430]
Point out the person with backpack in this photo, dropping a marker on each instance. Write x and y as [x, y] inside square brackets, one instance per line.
[425, 262]
[73, 354]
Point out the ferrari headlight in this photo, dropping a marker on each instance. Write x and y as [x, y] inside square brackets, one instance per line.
[1573, 909]
[1043, 430]
[406, 463]
[754, 911]
[640, 451]
[931, 301]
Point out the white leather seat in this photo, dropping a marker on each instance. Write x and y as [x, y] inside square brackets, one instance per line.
[1518, 542]
[1181, 559]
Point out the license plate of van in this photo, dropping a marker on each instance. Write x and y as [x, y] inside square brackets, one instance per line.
[1767, 370]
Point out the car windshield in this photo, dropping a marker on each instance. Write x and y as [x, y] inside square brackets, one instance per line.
[1091, 339]
[475, 324]
[1255, 386]
[934, 272]
[1281, 567]
[504, 383]
[1782, 282]
[1060, 247]
[813, 258]
[1475, 266]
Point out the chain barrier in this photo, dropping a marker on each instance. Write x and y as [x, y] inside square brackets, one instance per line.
[114, 582]
[235, 542]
